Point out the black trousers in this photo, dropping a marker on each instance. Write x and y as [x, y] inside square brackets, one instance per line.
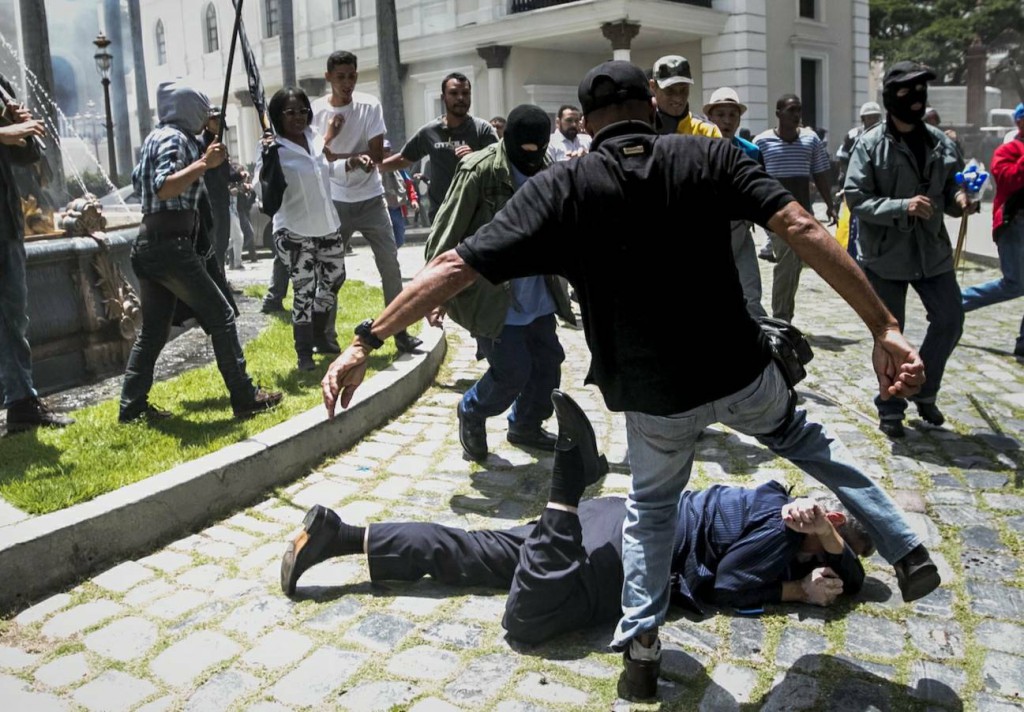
[563, 572]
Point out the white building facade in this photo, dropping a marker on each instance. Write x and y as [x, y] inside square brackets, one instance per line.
[535, 51]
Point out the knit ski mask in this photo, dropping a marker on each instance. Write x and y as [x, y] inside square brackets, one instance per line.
[912, 76]
[901, 106]
[527, 124]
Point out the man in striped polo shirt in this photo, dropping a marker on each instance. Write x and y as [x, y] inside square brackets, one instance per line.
[794, 156]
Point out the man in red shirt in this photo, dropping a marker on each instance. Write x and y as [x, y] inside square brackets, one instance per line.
[1007, 229]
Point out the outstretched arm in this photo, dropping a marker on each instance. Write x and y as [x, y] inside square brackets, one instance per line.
[897, 364]
[443, 278]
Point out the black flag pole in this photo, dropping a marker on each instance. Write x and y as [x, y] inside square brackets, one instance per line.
[252, 70]
[227, 75]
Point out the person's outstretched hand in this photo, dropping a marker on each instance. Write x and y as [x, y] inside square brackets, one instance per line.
[897, 364]
[343, 378]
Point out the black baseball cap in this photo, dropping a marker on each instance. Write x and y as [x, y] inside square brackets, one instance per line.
[613, 82]
[903, 72]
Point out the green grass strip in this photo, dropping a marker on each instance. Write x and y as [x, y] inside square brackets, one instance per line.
[47, 470]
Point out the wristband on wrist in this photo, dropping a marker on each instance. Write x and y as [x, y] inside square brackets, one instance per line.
[364, 331]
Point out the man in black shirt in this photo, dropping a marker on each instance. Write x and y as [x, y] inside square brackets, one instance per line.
[579, 219]
[446, 140]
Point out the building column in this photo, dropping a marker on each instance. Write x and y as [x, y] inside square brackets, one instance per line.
[861, 79]
[737, 58]
[248, 127]
[496, 56]
[977, 56]
[621, 35]
[313, 86]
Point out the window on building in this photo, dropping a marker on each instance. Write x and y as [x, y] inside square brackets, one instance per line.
[212, 41]
[161, 43]
[810, 91]
[272, 11]
[346, 9]
[809, 9]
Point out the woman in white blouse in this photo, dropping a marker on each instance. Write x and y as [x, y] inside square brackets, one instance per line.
[306, 225]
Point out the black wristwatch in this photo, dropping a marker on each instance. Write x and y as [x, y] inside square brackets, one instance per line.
[363, 331]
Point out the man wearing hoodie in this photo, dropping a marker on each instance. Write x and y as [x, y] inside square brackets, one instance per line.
[514, 323]
[168, 179]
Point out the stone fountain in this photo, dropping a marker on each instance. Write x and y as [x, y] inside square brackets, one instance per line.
[82, 293]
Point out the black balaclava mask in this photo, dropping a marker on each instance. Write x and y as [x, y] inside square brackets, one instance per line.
[527, 124]
[900, 106]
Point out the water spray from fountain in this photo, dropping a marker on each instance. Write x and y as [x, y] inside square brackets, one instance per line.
[43, 98]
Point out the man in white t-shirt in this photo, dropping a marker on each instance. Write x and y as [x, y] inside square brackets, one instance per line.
[358, 129]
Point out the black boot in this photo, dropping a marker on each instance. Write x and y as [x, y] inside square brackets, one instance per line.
[325, 337]
[303, 334]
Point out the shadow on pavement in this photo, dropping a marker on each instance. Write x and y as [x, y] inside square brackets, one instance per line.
[836, 344]
[848, 687]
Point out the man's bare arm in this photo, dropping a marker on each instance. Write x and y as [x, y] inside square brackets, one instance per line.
[394, 163]
[897, 364]
[440, 280]
[823, 182]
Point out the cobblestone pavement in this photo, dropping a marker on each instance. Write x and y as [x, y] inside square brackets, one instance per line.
[202, 625]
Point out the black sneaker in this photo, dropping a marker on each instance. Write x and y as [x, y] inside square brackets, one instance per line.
[767, 253]
[472, 436]
[30, 413]
[537, 438]
[892, 428]
[642, 675]
[261, 401]
[917, 574]
[150, 413]
[407, 343]
[272, 307]
[930, 413]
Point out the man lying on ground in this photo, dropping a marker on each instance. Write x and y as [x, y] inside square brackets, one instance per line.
[733, 546]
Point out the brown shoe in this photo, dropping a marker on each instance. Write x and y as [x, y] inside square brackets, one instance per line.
[261, 401]
[30, 413]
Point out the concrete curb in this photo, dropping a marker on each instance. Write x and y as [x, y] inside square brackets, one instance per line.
[41, 555]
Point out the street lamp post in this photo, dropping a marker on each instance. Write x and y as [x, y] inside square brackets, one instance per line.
[103, 64]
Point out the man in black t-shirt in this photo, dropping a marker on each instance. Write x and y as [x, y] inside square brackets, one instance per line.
[579, 219]
[446, 139]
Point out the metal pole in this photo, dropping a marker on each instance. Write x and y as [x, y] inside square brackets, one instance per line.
[227, 75]
[111, 156]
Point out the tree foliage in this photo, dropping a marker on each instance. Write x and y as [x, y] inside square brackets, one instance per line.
[938, 32]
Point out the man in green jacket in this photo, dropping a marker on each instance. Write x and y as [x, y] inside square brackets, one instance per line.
[900, 181]
[514, 323]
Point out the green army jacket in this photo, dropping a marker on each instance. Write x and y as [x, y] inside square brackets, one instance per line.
[483, 183]
[880, 181]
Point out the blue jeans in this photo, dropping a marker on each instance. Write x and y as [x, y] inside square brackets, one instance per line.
[940, 296]
[1011, 285]
[168, 270]
[525, 366]
[661, 450]
[15, 352]
[398, 225]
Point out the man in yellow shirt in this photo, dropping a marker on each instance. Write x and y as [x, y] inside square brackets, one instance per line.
[670, 81]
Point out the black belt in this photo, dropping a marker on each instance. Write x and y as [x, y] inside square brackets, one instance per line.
[167, 224]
